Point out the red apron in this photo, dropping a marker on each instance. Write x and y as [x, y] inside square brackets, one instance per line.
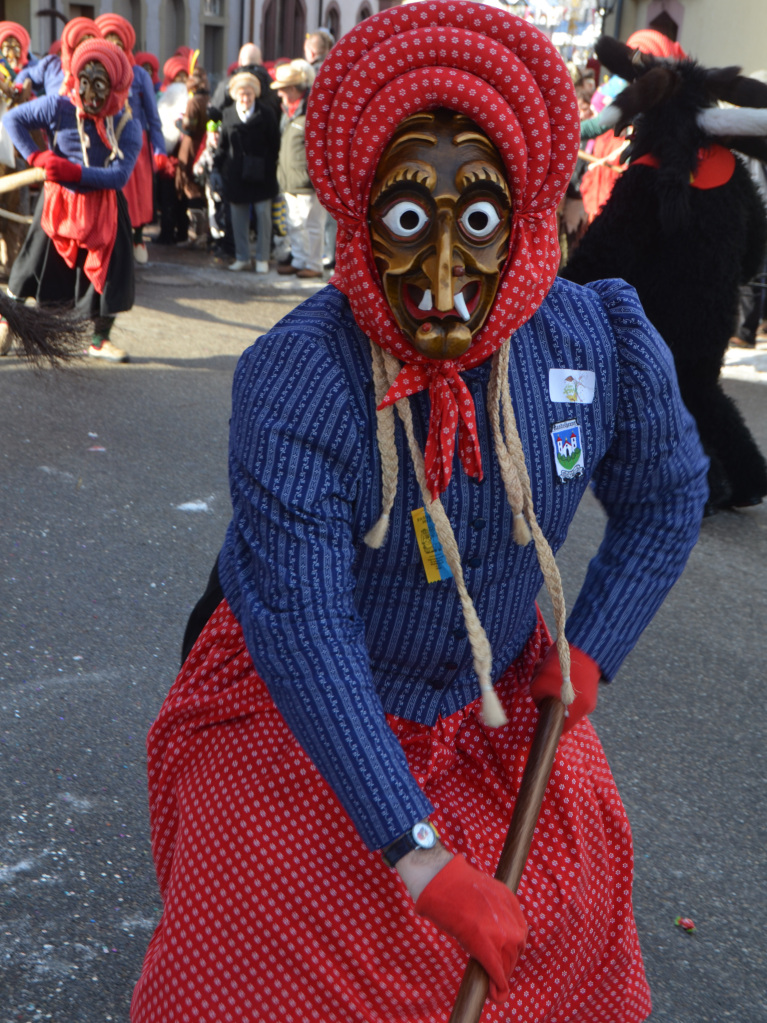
[275, 910]
[139, 190]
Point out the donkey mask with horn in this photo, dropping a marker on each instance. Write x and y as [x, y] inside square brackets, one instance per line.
[685, 226]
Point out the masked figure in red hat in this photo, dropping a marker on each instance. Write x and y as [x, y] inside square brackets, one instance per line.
[78, 249]
[139, 191]
[151, 65]
[333, 773]
[14, 46]
[47, 76]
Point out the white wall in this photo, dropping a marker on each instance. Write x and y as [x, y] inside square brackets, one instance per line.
[715, 32]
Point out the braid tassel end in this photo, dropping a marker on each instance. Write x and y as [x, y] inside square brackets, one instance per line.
[567, 693]
[376, 535]
[493, 713]
[522, 534]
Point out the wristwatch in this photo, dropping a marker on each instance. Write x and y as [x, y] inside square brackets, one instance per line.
[422, 836]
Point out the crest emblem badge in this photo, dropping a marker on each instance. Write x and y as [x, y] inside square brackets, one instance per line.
[567, 439]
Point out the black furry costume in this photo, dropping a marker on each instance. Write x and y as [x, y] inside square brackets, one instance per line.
[686, 250]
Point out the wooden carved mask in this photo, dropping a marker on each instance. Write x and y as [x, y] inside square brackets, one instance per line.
[94, 87]
[440, 213]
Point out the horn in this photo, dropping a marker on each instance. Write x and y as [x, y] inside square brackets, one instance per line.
[620, 59]
[650, 90]
[733, 121]
[729, 85]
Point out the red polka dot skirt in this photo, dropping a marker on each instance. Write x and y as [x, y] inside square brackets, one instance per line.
[274, 910]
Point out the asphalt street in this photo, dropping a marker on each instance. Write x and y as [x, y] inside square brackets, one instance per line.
[113, 504]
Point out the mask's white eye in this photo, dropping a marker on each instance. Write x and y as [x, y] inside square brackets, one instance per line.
[405, 219]
[480, 220]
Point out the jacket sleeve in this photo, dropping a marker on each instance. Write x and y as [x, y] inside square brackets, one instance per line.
[20, 120]
[35, 73]
[149, 105]
[295, 454]
[651, 483]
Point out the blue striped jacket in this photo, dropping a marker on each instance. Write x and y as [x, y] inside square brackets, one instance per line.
[343, 634]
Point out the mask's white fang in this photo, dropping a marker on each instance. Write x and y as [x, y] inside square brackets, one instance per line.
[426, 305]
[460, 305]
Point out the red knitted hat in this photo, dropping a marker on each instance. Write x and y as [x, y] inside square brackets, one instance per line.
[173, 66]
[507, 77]
[72, 34]
[122, 28]
[12, 28]
[143, 57]
[119, 70]
[655, 44]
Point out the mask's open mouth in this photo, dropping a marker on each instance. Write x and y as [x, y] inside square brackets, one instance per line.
[419, 302]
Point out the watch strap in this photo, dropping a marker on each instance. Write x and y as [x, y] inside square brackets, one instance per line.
[407, 842]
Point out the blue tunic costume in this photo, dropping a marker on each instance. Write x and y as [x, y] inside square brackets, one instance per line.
[58, 116]
[343, 634]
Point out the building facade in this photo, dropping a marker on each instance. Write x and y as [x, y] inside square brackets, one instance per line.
[215, 27]
[716, 32]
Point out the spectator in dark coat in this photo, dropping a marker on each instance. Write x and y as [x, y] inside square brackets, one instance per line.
[247, 159]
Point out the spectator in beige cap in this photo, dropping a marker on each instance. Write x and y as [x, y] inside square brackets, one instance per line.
[306, 217]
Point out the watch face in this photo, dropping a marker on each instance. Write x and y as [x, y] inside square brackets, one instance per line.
[424, 835]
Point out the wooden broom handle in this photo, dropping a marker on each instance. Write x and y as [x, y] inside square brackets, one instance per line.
[10, 182]
[474, 986]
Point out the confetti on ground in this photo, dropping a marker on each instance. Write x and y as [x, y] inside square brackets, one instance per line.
[686, 924]
[96, 448]
[193, 506]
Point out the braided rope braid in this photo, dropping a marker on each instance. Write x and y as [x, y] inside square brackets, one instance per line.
[509, 474]
[492, 711]
[85, 142]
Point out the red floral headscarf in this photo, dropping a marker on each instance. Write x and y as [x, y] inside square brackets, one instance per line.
[12, 28]
[507, 77]
[122, 28]
[117, 67]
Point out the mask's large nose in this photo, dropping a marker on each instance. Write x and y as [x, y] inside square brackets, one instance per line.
[439, 268]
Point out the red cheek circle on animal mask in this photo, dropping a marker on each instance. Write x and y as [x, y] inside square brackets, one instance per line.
[508, 78]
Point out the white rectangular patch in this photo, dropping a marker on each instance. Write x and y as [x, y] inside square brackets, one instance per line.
[572, 385]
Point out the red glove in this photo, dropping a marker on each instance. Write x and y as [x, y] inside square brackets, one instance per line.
[482, 914]
[62, 171]
[40, 158]
[57, 169]
[584, 675]
[162, 164]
